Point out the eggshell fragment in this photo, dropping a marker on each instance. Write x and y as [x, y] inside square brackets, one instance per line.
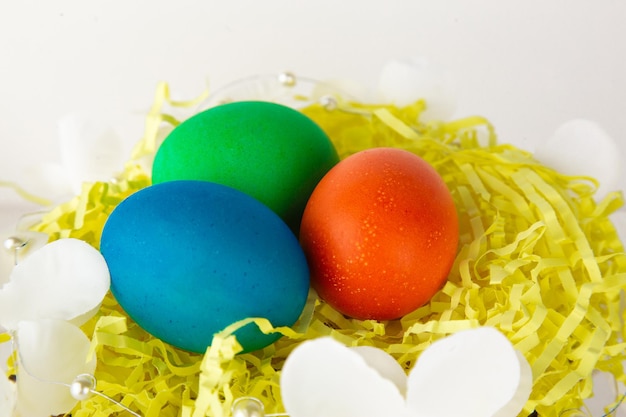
[52, 354]
[63, 280]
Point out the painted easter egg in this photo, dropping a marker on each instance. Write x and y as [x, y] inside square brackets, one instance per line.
[380, 233]
[189, 258]
[269, 151]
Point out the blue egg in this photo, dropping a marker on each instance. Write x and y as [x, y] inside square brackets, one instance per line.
[189, 258]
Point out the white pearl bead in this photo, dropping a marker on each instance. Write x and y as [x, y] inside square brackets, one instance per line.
[82, 386]
[329, 102]
[14, 243]
[248, 407]
[287, 79]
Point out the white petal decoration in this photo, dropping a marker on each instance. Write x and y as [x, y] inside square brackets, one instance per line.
[63, 280]
[7, 397]
[9, 257]
[402, 82]
[324, 378]
[51, 353]
[582, 147]
[48, 180]
[473, 373]
[477, 368]
[90, 150]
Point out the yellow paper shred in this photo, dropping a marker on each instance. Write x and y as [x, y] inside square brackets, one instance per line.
[538, 258]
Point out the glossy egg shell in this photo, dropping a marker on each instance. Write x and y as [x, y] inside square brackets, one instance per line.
[380, 233]
[189, 258]
[269, 151]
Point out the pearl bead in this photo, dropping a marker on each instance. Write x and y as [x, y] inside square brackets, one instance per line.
[14, 243]
[82, 386]
[248, 407]
[287, 79]
[329, 102]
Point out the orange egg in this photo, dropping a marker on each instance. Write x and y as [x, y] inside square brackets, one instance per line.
[380, 233]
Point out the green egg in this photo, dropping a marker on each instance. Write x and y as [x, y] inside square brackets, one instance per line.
[269, 151]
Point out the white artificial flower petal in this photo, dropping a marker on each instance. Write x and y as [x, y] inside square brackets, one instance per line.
[7, 263]
[63, 280]
[32, 241]
[322, 377]
[90, 150]
[48, 180]
[525, 387]
[52, 353]
[385, 364]
[403, 82]
[582, 147]
[473, 373]
[7, 397]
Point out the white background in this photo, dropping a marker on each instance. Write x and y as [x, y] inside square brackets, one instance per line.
[528, 66]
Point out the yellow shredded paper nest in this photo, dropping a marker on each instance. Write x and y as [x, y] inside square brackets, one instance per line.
[538, 259]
